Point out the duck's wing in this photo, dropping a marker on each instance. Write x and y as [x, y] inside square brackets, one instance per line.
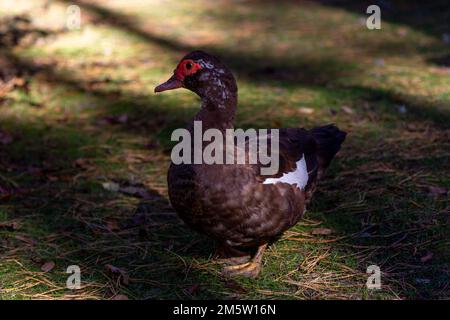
[294, 163]
[302, 155]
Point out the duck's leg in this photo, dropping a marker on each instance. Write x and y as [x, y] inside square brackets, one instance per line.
[231, 256]
[250, 269]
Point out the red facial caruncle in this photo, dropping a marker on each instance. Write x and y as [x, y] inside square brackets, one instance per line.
[186, 68]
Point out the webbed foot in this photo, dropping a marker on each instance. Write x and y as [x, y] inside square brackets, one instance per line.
[250, 269]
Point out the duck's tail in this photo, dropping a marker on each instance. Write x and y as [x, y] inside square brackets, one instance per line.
[329, 139]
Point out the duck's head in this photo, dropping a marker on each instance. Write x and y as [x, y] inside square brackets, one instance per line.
[203, 74]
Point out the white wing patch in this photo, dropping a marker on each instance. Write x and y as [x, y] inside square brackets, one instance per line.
[298, 177]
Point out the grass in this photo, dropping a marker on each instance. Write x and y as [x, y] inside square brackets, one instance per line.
[78, 119]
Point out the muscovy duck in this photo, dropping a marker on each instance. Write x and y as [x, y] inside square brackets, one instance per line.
[234, 204]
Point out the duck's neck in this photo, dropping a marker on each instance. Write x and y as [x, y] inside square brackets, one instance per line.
[218, 106]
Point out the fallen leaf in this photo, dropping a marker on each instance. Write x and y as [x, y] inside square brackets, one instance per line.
[37, 259]
[112, 268]
[347, 110]
[52, 178]
[119, 271]
[192, 289]
[27, 240]
[48, 266]
[19, 82]
[437, 191]
[112, 225]
[111, 186]
[10, 225]
[306, 110]
[427, 257]
[83, 164]
[136, 191]
[321, 231]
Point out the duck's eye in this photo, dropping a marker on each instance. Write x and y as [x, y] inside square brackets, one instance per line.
[186, 68]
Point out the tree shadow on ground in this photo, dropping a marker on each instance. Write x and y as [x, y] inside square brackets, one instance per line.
[432, 17]
[66, 217]
[271, 68]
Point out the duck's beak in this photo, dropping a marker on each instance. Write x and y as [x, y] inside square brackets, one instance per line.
[172, 83]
